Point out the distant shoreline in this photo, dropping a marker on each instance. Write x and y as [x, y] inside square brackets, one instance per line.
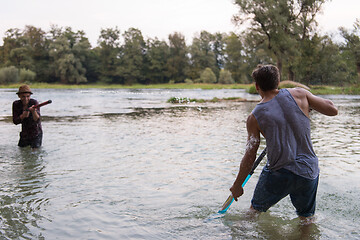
[134, 86]
[317, 90]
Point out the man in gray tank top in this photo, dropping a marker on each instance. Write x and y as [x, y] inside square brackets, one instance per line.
[282, 117]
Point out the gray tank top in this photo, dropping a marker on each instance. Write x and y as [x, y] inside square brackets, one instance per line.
[287, 133]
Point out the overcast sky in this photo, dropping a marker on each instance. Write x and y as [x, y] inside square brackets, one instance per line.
[154, 18]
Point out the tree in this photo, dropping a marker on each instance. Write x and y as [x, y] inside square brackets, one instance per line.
[235, 58]
[38, 51]
[27, 49]
[92, 65]
[253, 54]
[16, 50]
[158, 53]
[109, 52]
[131, 67]
[202, 55]
[353, 44]
[219, 46]
[225, 77]
[323, 62]
[178, 62]
[68, 52]
[281, 24]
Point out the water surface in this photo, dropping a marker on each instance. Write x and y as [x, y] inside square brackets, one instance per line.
[124, 164]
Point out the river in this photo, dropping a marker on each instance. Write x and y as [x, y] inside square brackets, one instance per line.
[125, 164]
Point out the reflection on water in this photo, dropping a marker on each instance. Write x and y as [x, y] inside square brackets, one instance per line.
[267, 226]
[23, 181]
[124, 164]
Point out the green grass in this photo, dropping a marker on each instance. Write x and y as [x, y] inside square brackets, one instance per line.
[326, 90]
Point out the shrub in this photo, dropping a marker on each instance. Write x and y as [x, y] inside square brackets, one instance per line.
[225, 77]
[197, 80]
[252, 89]
[185, 100]
[27, 75]
[208, 76]
[188, 81]
[178, 100]
[9, 75]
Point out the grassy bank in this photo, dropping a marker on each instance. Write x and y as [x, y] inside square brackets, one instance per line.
[317, 90]
[331, 90]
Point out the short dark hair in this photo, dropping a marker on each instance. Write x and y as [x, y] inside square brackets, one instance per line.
[266, 76]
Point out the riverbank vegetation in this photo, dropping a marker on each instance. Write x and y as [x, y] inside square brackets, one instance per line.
[214, 100]
[284, 35]
[316, 89]
[133, 86]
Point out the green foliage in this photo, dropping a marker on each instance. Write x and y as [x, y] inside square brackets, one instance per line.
[202, 55]
[68, 52]
[66, 66]
[281, 25]
[27, 76]
[252, 89]
[197, 80]
[235, 60]
[109, 52]
[131, 67]
[322, 90]
[353, 90]
[323, 62]
[189, 81]
[9, 75]
[215, 99]
[282, 33]
[353, 45]
[287, 85]
[183, 100]
[178, 63]
[158, 53]
[208, 76]
[195, 100]
[225, 77]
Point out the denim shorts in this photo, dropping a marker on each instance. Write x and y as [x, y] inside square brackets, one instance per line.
[275, 185]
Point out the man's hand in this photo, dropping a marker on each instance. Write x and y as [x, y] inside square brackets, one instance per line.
[31, 109]
[35, 115]
[236, 191]
[25, 114]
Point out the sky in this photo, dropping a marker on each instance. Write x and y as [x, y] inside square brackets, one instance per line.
[154, 18]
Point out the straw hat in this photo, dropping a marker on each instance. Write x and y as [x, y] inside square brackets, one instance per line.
[24, 89]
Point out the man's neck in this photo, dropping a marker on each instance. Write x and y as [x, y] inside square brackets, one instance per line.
[268, 95]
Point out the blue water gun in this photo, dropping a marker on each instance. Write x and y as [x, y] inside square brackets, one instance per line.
[230, 199]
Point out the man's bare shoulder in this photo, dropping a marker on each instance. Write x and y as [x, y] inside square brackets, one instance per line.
[298, 91]
[251, 118]
[252, 122]
[300, 95]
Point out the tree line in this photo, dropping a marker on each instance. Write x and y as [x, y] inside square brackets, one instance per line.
[281, 32]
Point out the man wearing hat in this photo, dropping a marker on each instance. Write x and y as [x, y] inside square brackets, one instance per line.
[24, 112]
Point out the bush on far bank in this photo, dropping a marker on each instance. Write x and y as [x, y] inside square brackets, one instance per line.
[208, 76]
[11, 74]
[225, 77]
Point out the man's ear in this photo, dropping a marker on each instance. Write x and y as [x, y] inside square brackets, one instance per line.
[257, 87]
